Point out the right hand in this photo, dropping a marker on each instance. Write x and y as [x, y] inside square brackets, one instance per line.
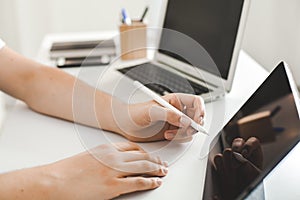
[149, 121]
[105, 173]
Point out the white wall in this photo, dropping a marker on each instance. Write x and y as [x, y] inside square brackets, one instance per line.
[32, 19]
[8, 28]
[272, 33]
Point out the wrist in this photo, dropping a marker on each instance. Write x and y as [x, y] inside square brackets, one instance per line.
[44, 182]
[131, 119]
[108, 108]
[52, 181]
[32, 183]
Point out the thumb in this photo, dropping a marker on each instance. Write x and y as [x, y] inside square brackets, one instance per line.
[159, 113]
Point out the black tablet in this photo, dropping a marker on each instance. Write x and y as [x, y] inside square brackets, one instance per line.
[255, 140]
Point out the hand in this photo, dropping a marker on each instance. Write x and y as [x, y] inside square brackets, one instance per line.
[151, 122]
[251, 150]
[234, 173]
[105, 173]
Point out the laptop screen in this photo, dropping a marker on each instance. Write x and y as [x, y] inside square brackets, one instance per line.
[211, 23]
[259, 135]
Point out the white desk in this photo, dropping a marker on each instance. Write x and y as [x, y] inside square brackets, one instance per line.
[30, 139]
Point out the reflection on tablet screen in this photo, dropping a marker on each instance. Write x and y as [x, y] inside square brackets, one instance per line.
[259, 135]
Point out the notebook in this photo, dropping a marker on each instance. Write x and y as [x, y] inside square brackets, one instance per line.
[198, 48]
[255, 140]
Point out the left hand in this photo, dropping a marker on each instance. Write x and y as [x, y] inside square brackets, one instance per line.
[103, 172]
[150, 121]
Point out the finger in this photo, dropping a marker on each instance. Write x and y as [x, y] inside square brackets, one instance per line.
[179, 134]
[250, 145]
[174, 100]
[192, 113]
[230, 160]
[183, 132]
[227, 158]
[238, 144]
[199, 105]
[197, 110]
[130, 157]
[133, 184]
[198, 119]
[201, 121]
[128, 146]
[159, 113]
[190, 101]
[191, 131]
[218, 161]
[102, 149]
[186, 99]
[144, 167]
[195, 102]
[170, 134]
[185, 110]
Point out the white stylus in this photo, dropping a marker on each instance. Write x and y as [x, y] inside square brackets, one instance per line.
[165, 104]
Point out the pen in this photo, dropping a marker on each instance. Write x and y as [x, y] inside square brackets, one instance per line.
[125, 16]
[165, 104]
[275, 111]
[144, 14]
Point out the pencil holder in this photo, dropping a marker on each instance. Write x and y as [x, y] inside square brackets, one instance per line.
[133, 40]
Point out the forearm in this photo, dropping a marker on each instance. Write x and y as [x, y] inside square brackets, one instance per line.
[56, 93]
[31, 184]
[53, 92]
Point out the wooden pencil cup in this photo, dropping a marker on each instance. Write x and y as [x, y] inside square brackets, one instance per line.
[133, 40]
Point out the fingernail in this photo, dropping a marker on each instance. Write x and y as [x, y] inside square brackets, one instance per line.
[158, 181]
[201, 120]
[185, 121]
[164, 170]
[169, 136]
[166, 164]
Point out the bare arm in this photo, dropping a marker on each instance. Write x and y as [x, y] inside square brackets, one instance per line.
[50, 91]
[30, 183]
[106, 172]
[53, 92]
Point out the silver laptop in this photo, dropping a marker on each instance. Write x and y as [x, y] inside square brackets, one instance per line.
[215, 25]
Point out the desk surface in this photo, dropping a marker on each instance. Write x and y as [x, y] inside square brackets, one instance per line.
[30, 139]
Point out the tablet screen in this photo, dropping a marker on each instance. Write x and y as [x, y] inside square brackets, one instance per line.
[254, 141]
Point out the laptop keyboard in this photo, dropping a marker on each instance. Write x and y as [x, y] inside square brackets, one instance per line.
[162, 81]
